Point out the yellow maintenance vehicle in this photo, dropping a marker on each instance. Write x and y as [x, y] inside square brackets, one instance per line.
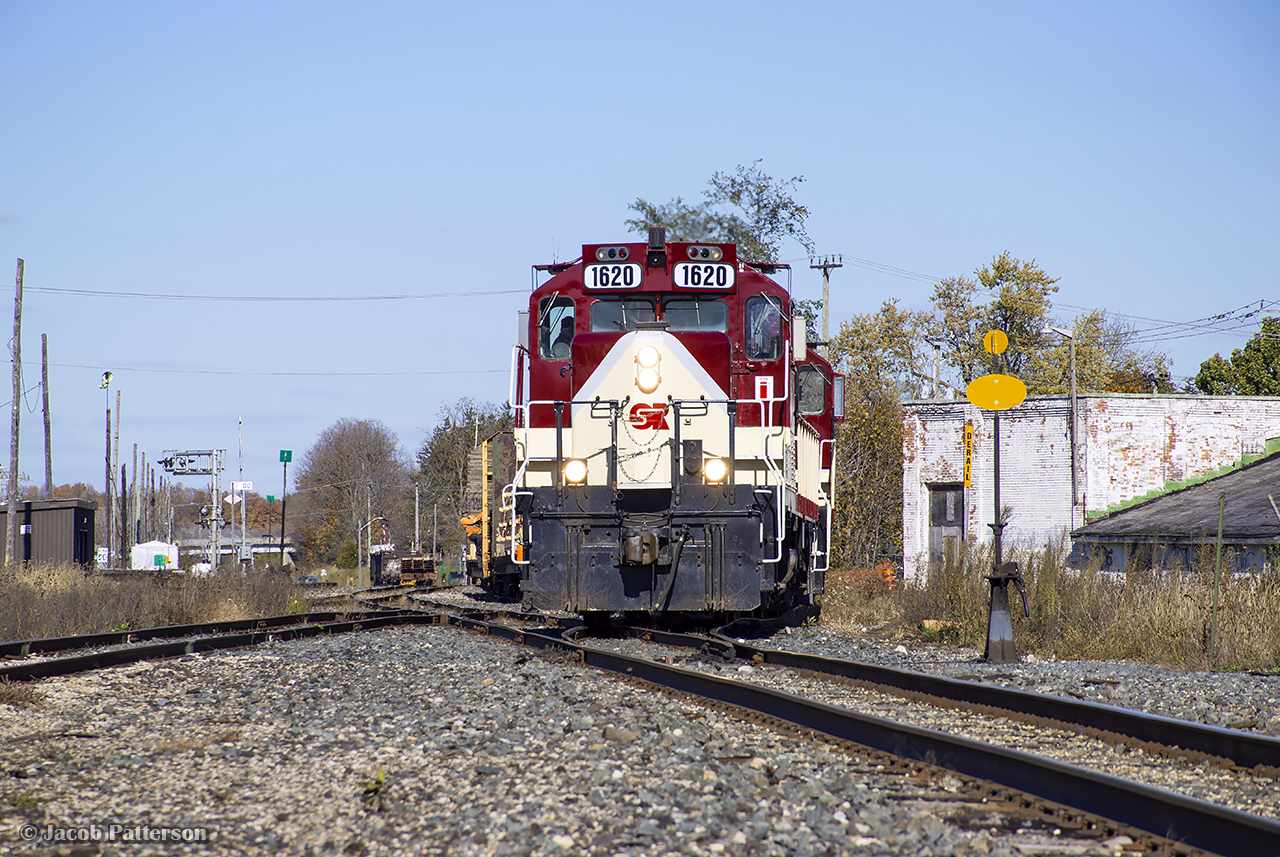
[494, 541]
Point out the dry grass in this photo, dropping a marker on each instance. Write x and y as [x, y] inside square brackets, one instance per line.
[46, 600]
[860, 600]
[1155, 617]
[20, 695]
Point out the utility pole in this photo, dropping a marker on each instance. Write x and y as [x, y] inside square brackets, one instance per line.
[124, 507]
[48, 434]
[11, 528]
[133, 502]
[417, 520]
[106, 479]
[117, 511]
[826, 263]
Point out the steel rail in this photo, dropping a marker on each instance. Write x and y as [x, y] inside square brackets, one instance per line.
[193, 645]
[1243, 748]
[1183, 819]
[19, 648]
[709, 645]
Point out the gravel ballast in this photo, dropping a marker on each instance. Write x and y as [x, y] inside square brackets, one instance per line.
[427, 740]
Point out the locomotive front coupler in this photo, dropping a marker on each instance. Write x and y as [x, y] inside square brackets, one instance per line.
[644, 545]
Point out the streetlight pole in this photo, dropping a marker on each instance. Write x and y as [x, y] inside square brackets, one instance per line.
[106, 485]
[1069, 335]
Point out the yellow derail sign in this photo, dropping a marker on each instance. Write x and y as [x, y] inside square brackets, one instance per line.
[996, 392]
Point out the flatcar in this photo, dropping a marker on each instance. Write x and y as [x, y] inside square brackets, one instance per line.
[673, 442]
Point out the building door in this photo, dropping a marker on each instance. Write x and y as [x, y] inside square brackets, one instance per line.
[946, 519]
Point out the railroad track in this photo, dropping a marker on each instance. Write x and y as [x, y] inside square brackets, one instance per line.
[1160, 813]
[118, 648]
[1076, 796]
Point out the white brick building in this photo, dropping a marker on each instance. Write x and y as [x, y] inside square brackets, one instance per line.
[1126, 446]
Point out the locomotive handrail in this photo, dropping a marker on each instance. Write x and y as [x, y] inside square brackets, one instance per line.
[777, 529]
[514, 391]
[826, 501]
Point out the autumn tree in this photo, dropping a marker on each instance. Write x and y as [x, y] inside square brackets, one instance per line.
[880, 356]
[355, 470]
[746, 207]
[1107, 361]
[1009, 295]
[1251, 371]
[442, 461]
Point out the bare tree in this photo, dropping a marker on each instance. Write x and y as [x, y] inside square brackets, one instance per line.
[354, 471]
[442, 459]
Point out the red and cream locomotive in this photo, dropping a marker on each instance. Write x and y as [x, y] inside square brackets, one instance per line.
[673, 441]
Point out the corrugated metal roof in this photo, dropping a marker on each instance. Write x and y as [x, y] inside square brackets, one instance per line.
[1192, 512]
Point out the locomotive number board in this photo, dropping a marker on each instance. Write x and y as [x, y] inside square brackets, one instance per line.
[703, 275]
[620, 275]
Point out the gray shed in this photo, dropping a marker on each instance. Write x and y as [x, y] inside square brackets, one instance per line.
[52, 531]
[1171, 531]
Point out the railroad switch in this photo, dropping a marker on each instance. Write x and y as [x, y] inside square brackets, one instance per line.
[1000, 645]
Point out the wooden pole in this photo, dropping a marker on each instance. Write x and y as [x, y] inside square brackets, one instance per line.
[124, 504]
[48, 433]
[133, 502]
[11, 525]
[117, 511]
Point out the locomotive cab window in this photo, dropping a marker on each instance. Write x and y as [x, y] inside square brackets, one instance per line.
[612, 316]
[555, 328]
[763, 329]
[810, 390]
[697, 314]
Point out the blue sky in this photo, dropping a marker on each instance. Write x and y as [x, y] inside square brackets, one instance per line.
[327, 150]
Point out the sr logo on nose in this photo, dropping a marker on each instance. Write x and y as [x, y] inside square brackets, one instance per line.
[646, 416]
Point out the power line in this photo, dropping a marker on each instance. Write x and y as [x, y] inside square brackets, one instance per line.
[1184, 329]
[267, 298]
[288, 374]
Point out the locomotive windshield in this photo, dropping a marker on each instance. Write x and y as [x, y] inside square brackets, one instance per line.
[555, 328]
[697, 314]
[764, 329]
[609, 316]
[810, 390]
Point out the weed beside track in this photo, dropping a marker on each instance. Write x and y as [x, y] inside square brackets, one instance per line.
[1157, 617]
[52, 600]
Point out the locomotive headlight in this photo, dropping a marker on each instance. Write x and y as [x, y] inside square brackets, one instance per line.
[648, 374]
[715, 469]
[647, 380]
[575, 471]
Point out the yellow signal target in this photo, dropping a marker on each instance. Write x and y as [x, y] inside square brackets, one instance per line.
[995, 342]
[996, 392]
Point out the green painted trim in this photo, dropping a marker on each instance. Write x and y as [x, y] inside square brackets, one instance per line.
[1271, 446]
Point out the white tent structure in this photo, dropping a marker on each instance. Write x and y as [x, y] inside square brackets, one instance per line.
[155, 555]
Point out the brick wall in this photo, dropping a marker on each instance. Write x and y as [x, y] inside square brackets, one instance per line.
[1127, 445]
